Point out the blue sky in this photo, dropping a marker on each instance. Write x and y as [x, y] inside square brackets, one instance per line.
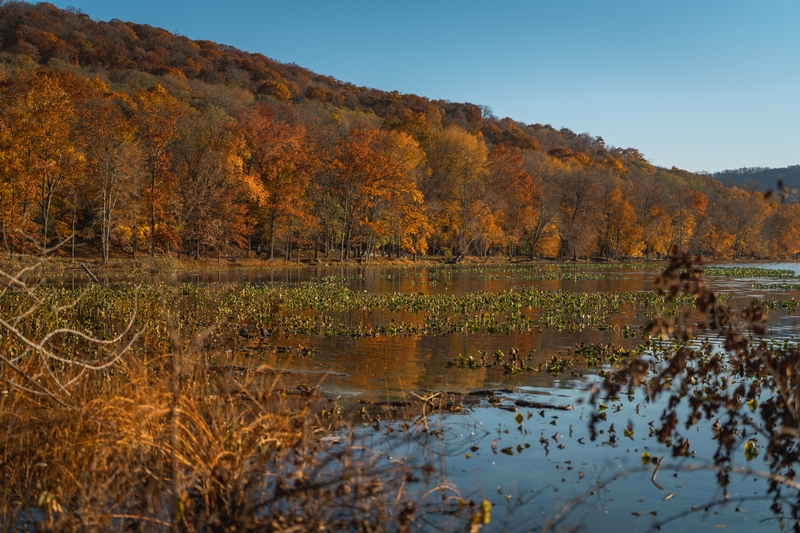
[702, 85]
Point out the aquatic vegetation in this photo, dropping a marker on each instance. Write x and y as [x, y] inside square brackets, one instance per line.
[589, 356]
[773, 303]
[749, 272]
[563, 276]
[318, 308]
[512, 364]
[777, 286]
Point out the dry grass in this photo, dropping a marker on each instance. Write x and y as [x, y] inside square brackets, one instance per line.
[95, 436]
[146, 447]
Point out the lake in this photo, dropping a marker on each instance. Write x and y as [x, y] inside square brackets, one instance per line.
[540, 469]
[370, 339]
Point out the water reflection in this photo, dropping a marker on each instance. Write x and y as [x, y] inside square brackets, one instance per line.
[387, 367]
[530, 470]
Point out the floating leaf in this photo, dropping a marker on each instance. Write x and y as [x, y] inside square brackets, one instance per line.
[750, 450]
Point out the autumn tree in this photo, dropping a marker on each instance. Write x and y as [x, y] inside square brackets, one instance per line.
[782, 230]
[397, 214]
[158, 113]
[513, 194]
[369, 173]
[741, 215]
[622, 234]
[542, 236]
[210, 185]
[45, 120]
[277, 161]
[115, 163]
[582, 189]
[455, 186]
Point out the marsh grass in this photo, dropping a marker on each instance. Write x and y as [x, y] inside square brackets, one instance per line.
[108, 460]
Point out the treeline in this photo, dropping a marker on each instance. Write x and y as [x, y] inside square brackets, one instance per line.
[761, 178]
[134, 139]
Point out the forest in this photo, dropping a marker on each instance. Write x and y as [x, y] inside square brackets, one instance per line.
[760, 178]
[121, 138]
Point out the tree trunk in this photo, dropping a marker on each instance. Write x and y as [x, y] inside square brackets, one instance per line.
[74, 216]
[45, 216]
[271, 235]
[153, 213]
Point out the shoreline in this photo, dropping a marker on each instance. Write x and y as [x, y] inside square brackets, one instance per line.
[165, 263]
[168, 263]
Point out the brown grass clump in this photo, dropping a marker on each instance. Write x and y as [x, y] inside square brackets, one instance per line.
[131, 434]
[132, 452]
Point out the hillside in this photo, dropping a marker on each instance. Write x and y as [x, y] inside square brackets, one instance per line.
[116, 50]
[759, 178]
[131, 139]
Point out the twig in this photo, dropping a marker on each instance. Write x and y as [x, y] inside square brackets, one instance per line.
[655, 473]
[86, 269]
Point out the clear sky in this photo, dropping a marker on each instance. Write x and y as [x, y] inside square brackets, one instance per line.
[699, 84]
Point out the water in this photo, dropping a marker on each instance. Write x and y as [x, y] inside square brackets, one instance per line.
[545, 470]
[384, 368]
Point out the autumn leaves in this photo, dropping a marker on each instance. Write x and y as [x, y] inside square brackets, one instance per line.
[197, 168]
[148, 171]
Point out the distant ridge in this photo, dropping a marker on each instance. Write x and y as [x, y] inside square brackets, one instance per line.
[760, 178]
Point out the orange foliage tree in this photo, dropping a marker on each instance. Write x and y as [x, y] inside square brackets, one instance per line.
[278, 160]
[115, 163]
[369, 171]
[45, 122]
[455, 186]
[513, 195]
[158, 113]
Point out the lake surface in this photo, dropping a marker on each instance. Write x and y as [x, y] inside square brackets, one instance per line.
[596, 486]
[544, 471]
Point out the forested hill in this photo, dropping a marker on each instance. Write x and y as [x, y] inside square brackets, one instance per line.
[760, 178]
[133, 138]
[120, 51]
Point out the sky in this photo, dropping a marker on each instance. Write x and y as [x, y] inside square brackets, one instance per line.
[702, 85]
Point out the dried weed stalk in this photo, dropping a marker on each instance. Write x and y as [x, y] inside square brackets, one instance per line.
[748, 385]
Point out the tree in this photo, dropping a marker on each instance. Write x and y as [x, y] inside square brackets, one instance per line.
[622, 236]
[579, 224]
[277, 161]
[542, 236]
[369, 169]
[158, 113]
[457, 166]
[115, 161]
[46, 122]
[398, 213]
[210, 186]
[513, 196]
